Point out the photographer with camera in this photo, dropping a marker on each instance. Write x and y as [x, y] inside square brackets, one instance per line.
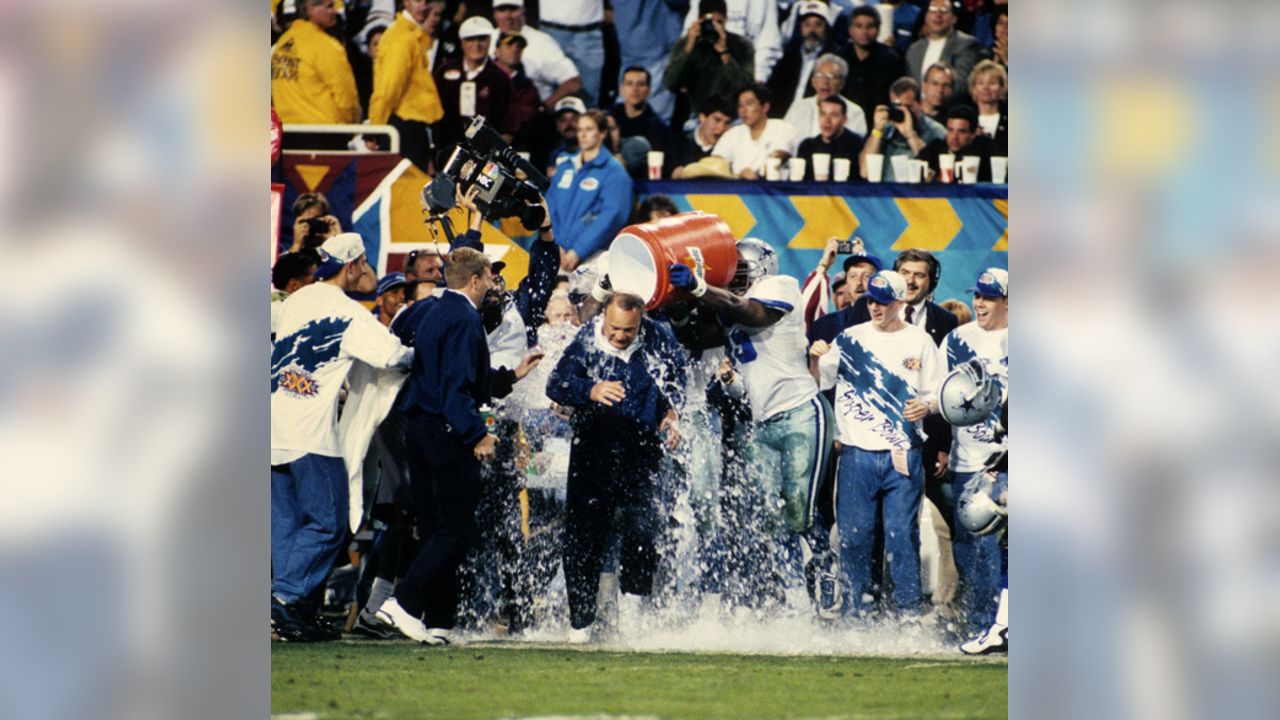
[899, 128]
[312, 223]
[710, 61]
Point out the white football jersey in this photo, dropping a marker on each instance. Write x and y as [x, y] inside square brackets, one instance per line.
[972, 445]
[772, 360]
[875, 373]
[320, 333]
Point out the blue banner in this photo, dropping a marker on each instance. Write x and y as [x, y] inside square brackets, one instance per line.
[966, 226]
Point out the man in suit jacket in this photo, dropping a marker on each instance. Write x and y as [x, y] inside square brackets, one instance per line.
[943, 43]
[448, 383]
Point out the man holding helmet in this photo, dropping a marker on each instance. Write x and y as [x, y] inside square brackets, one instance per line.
[792, 420]
[979, 350]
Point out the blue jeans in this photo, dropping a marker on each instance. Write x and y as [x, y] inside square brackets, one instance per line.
[866, 481]
[978, 565]
[586, 50]
[308, 524]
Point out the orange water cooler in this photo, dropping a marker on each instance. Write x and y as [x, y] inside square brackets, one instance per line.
[640, 255]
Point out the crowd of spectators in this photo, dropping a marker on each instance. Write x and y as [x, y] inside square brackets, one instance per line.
[658, 69]
[727, 89]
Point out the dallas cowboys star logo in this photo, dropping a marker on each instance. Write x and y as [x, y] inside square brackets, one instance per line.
[967, 404]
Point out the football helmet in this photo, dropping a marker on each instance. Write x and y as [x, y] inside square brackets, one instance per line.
[756, 260]
[983, 507]
[968, 394]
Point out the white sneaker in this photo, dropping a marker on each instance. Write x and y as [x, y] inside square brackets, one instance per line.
[994, 640]
[411, 627]
[438, 636]
[579, 636]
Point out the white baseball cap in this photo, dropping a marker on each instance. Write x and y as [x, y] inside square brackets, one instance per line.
[475, 27]
[570, 102]
[337, 251]
[886, 286]
[810, 7]
[508, 3]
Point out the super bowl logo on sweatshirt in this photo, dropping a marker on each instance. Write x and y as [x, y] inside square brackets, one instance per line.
[298, 382]
[296, 356]
[911, 363]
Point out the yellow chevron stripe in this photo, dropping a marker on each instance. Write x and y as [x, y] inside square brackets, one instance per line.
[931, 224]
[730, 208]
[1002, 244]
[824, 216]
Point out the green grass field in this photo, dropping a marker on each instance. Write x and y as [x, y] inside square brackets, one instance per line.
[399, 680]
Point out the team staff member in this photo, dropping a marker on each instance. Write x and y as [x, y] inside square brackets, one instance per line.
[473, 85]
[623, 375]
[448, 384]
[311, 80]
[590, 195]
[885, 373]
[321, 333]
[404, 93]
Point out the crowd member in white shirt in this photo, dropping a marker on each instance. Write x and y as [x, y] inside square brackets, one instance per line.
[748, 146]
[828, 81]
[757, 21]
[321, 333]
[577, 25]
[885, 374]
[551, 71]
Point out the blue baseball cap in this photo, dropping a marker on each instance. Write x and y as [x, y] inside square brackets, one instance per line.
[391, 281]
[856, 258]
[886, 286]
[992, 283]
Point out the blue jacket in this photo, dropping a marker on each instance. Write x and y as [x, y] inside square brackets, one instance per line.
[654, 380]
[589, 204]
[450, 375]
[534, 291]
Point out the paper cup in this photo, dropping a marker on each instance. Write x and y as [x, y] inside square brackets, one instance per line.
[875, 167]
[900, 165]
[947, 168]
[795, 169]
[970, 167]
[999, 169]
[655, 164]
[915, 170]
[773, 168]
[841, 168]
[821, 167]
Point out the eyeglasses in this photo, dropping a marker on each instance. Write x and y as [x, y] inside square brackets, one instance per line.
[828, 76]
[939, 10]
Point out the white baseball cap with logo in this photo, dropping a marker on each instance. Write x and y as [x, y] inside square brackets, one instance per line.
[810, 7]
[886, 286]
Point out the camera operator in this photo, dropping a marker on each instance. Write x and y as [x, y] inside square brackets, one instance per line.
[312, 222]
[900, 128]
[710, 61]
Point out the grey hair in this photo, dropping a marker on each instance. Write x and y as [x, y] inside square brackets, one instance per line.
[626, 302]
[833, 59]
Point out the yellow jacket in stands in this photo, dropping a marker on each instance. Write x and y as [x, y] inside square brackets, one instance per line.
[311, 80]
[402, 82]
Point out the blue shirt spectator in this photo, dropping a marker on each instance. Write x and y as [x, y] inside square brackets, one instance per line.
[590, 195]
